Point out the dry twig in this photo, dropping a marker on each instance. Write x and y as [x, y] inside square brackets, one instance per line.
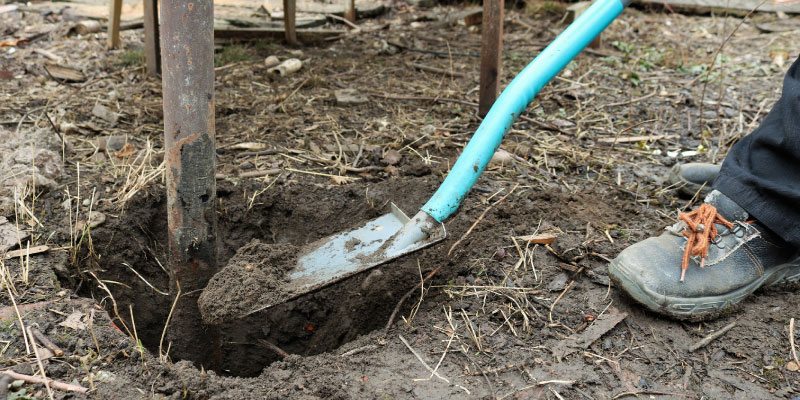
[480, 218]
[791, 342]
[45, 381]
[713, 336]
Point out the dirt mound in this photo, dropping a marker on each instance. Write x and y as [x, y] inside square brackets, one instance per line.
[254, 276]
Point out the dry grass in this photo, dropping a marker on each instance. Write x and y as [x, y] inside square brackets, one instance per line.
[136, 173]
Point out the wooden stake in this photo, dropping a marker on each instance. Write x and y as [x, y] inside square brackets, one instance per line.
[289, 11]
[491, 50]
[574, 11]
[350, 10]
[114, 15]
[152, 47]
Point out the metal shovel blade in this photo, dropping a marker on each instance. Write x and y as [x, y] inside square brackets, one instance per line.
[336, 257]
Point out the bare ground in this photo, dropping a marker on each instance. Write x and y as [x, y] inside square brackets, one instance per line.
[499, 318]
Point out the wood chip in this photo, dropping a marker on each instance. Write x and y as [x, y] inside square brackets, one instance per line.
[64, 73]
[349, 97]
[50, 55]
[582, 340]
[540, 238]
[253, 146]
[104, 113]
[87, 26]
[26, 252]
[630, 139]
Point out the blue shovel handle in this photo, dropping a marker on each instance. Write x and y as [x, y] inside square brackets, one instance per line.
[513, 100]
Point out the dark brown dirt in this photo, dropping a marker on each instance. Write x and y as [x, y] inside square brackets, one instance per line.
[254, 277]
[489, 319]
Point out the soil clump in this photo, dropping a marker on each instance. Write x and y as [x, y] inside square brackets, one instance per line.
[253, 277]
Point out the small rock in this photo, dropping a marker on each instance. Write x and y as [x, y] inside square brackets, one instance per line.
[792, 366]
[374, 277]
[271, 61]
[68, 128]
[349, 97]
[104, 113]
[10, 236]
[501, 157]
[96, 218]
[104, 377]
[46, 161]
[111, 143]
[558, 283]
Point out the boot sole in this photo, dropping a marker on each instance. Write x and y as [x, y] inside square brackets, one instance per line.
[701, 308]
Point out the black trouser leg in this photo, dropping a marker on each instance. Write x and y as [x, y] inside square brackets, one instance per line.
[762, 171]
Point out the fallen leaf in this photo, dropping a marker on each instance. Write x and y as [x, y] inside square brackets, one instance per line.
[392, 170]
[541, 238]
[77, 320]
[339, 180]
[792, 366]
[13, 42]
[392, 157]
[779, 57]
[126, 151]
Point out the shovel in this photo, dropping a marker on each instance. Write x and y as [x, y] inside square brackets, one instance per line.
[394, 235]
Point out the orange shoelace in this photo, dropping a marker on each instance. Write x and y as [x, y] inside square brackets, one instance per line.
[699, 236]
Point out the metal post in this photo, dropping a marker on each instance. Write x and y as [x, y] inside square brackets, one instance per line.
[187, 59]
[491, 50]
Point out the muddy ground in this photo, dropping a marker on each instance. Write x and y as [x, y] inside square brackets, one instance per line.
[497, 317]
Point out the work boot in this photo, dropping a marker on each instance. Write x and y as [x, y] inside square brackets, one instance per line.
[693, 177]
[729, 256]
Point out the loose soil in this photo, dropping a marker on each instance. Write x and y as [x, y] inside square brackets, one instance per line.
[254, 277]
[494, 312]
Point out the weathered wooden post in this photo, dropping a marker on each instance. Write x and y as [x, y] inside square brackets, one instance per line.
[289, 14]
[152, 50]
[187, 59]
[491, 50]
[350, 10]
